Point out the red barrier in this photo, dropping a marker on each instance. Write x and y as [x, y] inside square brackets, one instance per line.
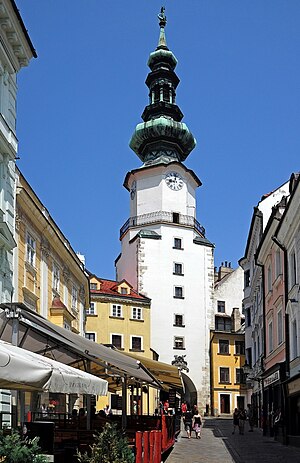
[138, 446]
[146, 447]
[152, 433]
[29, 417]
[157, 447]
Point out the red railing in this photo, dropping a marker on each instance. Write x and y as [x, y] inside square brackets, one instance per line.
[151, 444]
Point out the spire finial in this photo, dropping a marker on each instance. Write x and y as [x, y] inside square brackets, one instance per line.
[162, 24]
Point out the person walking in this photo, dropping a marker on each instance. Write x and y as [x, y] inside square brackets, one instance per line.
[250, 416]
[187, 420]
[235, 417]
[242, 419]
[197, 424]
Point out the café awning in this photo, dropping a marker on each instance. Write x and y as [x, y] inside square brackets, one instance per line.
[168, 376]
[39, 335]
[24, 370]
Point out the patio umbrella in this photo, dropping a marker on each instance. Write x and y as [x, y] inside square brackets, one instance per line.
[24, 370]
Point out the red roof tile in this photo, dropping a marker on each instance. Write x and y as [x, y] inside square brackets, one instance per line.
[110, 287]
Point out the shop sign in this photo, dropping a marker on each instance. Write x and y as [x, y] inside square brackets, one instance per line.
[294, 386]
[272, 378]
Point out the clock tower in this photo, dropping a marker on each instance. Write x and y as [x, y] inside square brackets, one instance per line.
[165, 253]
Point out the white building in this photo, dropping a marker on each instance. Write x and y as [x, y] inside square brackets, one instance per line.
[16, 50]
[253, 291]
[165, 254]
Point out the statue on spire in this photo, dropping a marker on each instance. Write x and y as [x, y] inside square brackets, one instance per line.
[162, 17]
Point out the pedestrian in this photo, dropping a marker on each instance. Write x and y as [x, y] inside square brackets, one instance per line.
[242, 419]
[235, 417]
[277, 422]
[107, 411]
[166, 407]
[188, 419]
[183, 407]
[197, 424]
[250, 416]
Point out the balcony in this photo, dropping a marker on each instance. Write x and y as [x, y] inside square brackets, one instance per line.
[162, 217]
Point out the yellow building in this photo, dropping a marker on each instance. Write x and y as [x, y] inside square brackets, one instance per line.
[120, 317]
[49, 277]
[227, 358]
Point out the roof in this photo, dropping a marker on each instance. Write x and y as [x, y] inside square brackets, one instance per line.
[110, 288]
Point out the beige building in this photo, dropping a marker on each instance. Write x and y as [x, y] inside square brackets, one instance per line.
[120, 317]
[49, 277]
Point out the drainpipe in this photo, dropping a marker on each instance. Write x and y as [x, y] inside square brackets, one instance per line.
[287, 332]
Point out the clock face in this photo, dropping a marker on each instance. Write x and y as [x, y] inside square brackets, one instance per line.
[133, 190]
[174, 181]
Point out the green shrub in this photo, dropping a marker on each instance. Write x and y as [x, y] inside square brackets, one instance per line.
[15, 450]
[109, 447]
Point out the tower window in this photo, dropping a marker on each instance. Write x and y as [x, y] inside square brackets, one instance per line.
[178, 269]
[178, 320]
[179, 342]
[177, 243]
[166, 94]
[221, 306]
[175, 217]
[178, 292]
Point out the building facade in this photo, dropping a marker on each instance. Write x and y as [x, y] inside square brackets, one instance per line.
[165, 254]
[227, 353]
[16, 51]
[287, 236]
[254, 303]
[49, 277]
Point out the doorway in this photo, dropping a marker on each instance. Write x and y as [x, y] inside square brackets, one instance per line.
[240, 402]
[225, 403]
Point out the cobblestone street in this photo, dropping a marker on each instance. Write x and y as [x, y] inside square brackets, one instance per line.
[218, 445]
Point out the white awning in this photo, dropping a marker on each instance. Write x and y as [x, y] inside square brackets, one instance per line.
[25, 370]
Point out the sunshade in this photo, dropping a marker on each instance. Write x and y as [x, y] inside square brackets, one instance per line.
[39, 335]
[167, 375]
[24, 370]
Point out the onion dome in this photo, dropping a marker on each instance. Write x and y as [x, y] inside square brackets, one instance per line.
[162, 137]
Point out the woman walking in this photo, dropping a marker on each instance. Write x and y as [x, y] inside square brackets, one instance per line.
[197, 424]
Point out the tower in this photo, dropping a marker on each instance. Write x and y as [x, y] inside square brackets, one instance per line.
[165, 254]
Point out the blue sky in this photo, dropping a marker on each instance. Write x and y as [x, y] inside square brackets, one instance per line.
[79, 102]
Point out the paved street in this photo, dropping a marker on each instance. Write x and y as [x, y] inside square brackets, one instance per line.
[218, 445]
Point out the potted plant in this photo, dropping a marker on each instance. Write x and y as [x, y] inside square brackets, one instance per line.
[15, 450]
[109, 447]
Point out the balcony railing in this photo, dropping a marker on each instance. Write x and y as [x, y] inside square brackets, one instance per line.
[162, 217]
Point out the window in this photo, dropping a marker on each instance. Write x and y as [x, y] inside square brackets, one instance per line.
[223, 323]
[294, 340]
[224, 375]
[178, 320]
[55, 277]
[74, 297]
[178, 292]
[116, 310]
[269, 276]
[177, 269]
[124, 291]
[221, 306]
[247, 278]
[249, 356]
[258, 346]
[116, 341]
[279, 327]
[223, 346]
[67, 325]
[293, 274]
[239, 376]
[93, 286]
[136, 343]
[278, 262]
[239, 347]
[175, 217]
[179, 342]
[270, 331]
[248, 317]
[177, 243]
[90, 336]
[30, 250]
[137, 313]
[91, 310]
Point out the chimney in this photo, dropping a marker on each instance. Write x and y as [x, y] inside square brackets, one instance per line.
[236, 319]
[224, 270]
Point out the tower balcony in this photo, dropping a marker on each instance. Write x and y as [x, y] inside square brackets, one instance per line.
[162, 217]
